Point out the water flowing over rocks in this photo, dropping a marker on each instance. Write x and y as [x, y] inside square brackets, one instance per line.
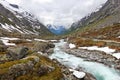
[93, 63]
[68, 74]
[31, 62]
[96, 56]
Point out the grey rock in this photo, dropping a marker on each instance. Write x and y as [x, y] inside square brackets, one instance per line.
[96, 56]
[42, 46]
[17, 53]
[50, 51]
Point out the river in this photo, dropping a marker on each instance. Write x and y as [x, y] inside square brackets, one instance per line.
[100, 71]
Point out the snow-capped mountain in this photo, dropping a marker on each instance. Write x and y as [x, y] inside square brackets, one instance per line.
[56, 29]
[15, 19]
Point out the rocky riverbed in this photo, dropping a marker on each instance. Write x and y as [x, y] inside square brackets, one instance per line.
[86, 62]
[29, 60]
[23, 62]
[96, 56]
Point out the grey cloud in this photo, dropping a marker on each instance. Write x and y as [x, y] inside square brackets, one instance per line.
[61, 12]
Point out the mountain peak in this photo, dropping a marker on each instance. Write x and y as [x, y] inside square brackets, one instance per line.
[19, 20]
[56, 29]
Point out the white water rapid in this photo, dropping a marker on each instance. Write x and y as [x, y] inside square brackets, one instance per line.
[100, 71]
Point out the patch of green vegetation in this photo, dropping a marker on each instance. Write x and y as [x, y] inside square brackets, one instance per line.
[4, 67]
[56, 74]
[96, 23]
[87, 42]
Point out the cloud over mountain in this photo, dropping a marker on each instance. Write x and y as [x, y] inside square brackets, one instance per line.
[59, 12]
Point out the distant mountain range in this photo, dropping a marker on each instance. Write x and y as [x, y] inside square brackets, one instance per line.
[14, 20]
[58, 30]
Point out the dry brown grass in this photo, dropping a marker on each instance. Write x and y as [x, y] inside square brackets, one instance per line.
[108, 33]
[115, 47]
[87, 42]
[18, 41]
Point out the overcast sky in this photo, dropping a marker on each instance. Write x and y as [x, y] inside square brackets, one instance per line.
[60, 12]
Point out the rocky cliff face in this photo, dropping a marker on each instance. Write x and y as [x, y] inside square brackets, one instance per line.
[107, 15]
[13, 19]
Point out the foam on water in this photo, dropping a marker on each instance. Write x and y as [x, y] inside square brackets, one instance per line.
[100, 71]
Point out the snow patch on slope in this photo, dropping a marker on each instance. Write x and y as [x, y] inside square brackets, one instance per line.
[19, 12]
[5, 40]
[10, 28]
[104, 49]
[107, 50]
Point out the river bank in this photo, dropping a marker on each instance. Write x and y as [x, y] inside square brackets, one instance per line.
[90, 62]
[95, 56]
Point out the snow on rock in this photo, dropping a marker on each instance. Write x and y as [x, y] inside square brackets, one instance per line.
[53, 40]
[5, 40]
[6, 27]
[104, 49]
[118, 37]
[19, 10]
[28, 40]
[7, 44]
[41, 40]
[8, 6]
[117, 55]
[9, 28]
[72, 45]
[40, 52]
[78, 74]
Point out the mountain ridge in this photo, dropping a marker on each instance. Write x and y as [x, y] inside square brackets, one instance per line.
[107, 15]
[20, 21]
[58, 30]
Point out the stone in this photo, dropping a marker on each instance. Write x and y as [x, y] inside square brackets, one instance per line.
[42, 46]
[17, 53]
[1, 43]
[50, 51]
[3, 48]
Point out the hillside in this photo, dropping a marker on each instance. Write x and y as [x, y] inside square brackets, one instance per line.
[108, 15]
[101, 28]
[31, 51]
[15, 21]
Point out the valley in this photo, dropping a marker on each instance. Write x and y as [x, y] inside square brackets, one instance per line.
[88, 50]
